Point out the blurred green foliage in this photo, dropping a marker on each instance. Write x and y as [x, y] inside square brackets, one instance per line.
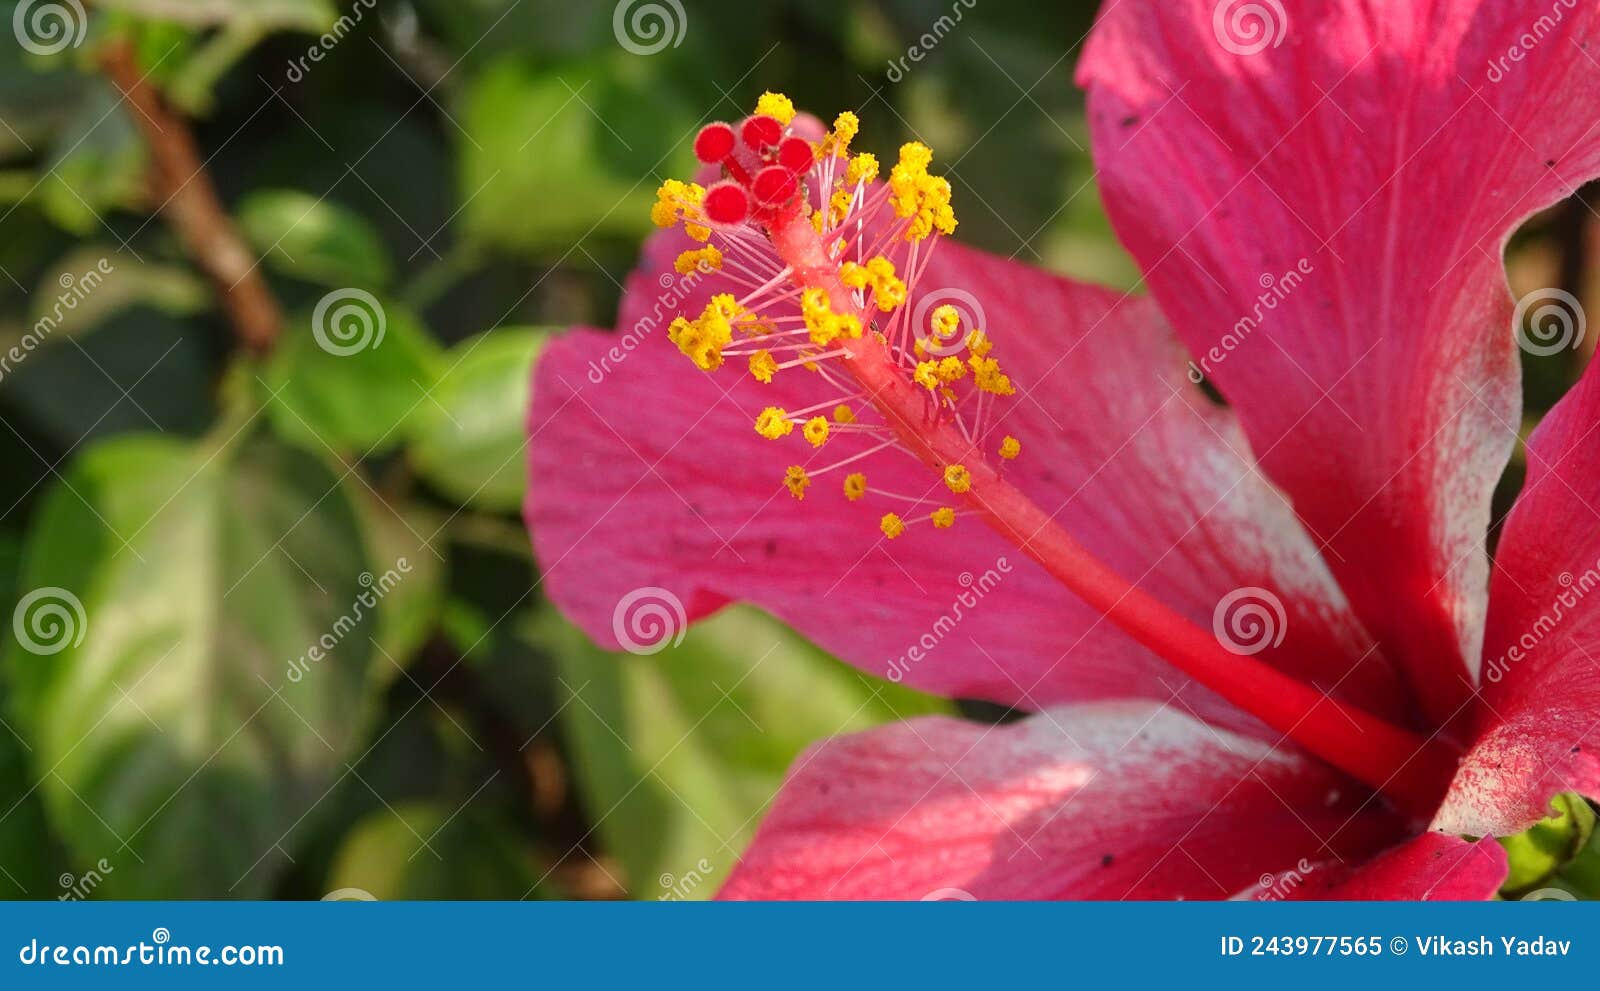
[449, 181]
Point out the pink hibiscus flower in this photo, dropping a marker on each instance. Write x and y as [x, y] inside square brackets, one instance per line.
[1319, 204]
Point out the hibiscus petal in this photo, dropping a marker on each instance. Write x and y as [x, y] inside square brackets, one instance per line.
[647, 474]
[1320, 200]
[1431, 868]
[1539, 723]
[1113, 800]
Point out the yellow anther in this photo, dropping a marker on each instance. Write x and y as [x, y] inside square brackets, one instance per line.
[855, 486]
[855, 276]
[843, 414]
[825, 325]
[891, 525]
[927, 374]
[946, 321]
[707, 259]
[677, 200]
[702, 340]
[839, 205]
[845, 128]
[816, 430]
[1010, 447]
[989, 377]
[774, 423]
[951, 369]
[777, 106]
[763, 366]
[725, 306]
[919, 197]
[979, 344]
[862, 168]
[958, 479]
[943, 518]
[798, 481]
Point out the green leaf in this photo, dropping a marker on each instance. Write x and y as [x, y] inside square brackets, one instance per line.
[314, 239]
[677, 754]
[1537, 855]
[295, 15]
[351, 375]
[544, 160]
[468, 442]
[195, 661]
[423, 850]
[98, 165]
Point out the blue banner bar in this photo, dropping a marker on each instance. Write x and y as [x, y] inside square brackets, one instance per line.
[276, 944]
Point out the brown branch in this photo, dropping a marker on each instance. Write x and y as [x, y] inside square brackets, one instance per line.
[192, 208]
